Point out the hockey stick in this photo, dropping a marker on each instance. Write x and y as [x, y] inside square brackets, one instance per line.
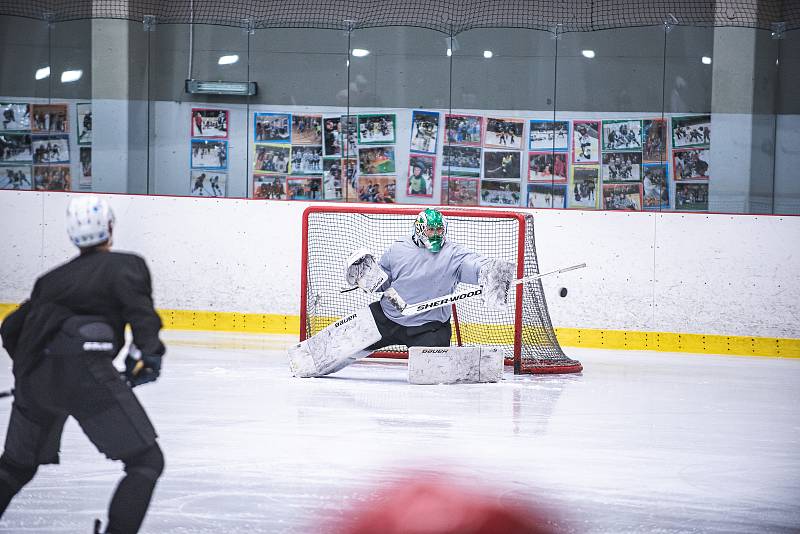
[6, 393]
[446, 300]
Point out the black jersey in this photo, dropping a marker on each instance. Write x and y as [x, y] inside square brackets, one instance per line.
[113, 285]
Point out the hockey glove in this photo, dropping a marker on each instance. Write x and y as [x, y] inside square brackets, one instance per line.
[496, 277]
[142, 370]
[363, 271]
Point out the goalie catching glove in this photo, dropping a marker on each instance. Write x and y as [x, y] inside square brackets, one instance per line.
[496, 278]
[363, 271]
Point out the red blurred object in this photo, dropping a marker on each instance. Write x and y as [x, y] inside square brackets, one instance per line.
[439, 506]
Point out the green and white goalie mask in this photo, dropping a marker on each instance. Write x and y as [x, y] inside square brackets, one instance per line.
[430, 230]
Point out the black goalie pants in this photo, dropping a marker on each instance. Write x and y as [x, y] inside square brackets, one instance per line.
[431, 334]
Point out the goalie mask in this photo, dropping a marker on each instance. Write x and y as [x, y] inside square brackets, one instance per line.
[430, 230]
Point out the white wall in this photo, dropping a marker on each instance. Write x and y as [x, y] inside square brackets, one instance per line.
[691, 273]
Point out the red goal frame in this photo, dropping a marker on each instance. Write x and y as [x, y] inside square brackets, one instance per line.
[380, 210]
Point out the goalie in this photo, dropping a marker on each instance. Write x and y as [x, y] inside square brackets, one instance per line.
[421, 266]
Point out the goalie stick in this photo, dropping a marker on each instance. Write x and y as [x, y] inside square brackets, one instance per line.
[447, 300]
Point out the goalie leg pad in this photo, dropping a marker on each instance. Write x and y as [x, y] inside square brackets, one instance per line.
[335, 347]
[454, 365]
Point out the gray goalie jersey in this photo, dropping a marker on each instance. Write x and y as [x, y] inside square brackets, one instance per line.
[419, 274]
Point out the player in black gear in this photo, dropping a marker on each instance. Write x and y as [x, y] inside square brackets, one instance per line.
[62, 342]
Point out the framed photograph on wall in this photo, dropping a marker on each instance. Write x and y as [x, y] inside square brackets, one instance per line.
[378, 128]
[50, 149]
[52, 178]
[622, 166]
[332, 179]
[656, 186]
[15, 148]
[461, 160]
[306, 159]
[501, 164]
[332, 136]
[272, 127]
[691, 164]
[85, 157]
[691, 197]
[274, 159]
[584, 187]
[547, 167]
[424, 131]
[16, 116]
[16, 177]
[49, 118]
[307, 188]
[548, 135]
[547, 195]
[306, 129]
[504, 133]
[421, 173]
[464, 130]
[84, 110]
[377, 189]
[654, 141]
[460, 191]
[208, 154]
[585, 142]
[691, 131]
[269, 187]
[376, 160]
[210, 123]
[349, 125]
[500, 193]
[208, 184]
[624, 197]
[351, 174]
[625, 134]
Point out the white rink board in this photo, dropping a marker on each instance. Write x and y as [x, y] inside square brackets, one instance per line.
[690, 273]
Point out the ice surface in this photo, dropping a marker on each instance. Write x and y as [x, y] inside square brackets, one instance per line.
[639, 442]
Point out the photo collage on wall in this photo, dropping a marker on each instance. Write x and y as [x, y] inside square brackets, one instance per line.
[461, 160]
[501, 183]
[208, 152]
[691, 143]
[35, 147]
[422, 158]
[548, 163]
[621, 165]
[376, 176]
[306, 156]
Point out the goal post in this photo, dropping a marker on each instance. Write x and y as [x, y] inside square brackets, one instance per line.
[523, 330]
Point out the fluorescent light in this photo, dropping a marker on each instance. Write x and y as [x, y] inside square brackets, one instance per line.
[706, 60]
[71, 76]
[42, 73]
[360, 52]
[487, 54]
[228, 60]
[588, 53]
[221, 88]
[449, 52]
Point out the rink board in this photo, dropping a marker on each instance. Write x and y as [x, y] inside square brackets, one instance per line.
[664, 281]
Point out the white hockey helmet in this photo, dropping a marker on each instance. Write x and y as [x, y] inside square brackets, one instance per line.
[89, 221]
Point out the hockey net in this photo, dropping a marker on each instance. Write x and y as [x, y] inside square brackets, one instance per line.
[523, 330]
